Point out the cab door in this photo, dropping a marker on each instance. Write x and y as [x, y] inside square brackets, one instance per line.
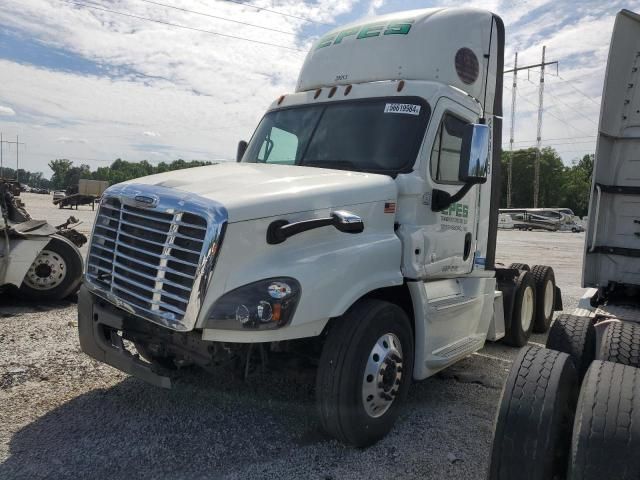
[450, 235]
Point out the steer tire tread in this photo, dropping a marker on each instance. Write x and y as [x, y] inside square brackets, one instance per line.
[339, 374]
[520, 266]
[533, 425]
[621, 344]
[606, 430]
[575, 336]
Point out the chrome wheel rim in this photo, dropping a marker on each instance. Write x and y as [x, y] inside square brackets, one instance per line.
[548, 299]
[382, 375]
[47, 271]
[526, 311]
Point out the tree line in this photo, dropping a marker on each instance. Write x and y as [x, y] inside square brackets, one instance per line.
[66, 174]
[560, 185]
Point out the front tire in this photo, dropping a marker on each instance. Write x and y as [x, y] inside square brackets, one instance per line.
[54, 274]
[364, 373]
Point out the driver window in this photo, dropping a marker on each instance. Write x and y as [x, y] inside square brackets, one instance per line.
[280, 147]
[445, 155]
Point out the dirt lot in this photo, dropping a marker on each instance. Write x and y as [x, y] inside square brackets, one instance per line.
[63, 415]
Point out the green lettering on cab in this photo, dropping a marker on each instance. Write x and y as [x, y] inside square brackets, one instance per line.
[367, 31]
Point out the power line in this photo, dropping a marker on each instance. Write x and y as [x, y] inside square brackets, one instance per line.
[557, 138]
[218, 17]
[260, 9]
[162, 22]
[549, 112]
[569, 82]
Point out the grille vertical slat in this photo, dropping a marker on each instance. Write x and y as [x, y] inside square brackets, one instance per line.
[145, 257]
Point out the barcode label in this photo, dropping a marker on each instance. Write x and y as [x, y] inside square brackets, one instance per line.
[405, 108]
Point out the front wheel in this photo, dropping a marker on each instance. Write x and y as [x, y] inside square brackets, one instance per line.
[54, 274]
[364, 373]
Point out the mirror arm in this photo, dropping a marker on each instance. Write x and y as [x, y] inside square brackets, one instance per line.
[441, 199]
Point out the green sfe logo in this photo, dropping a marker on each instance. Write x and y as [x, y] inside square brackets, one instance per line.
[456, 210]
[367, 31]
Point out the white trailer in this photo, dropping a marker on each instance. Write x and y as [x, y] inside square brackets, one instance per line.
[357, 228]
[572, 410]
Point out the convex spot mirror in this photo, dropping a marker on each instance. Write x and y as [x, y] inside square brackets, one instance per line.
[474, 154]
[242, 147]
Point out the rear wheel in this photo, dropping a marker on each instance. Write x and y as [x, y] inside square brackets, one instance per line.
[54, 274]
[520, 324]
[520, 266]
[364, 373]
[606, 431]
[533, 426]
[621, 344]
[545, 297]
[575, 336]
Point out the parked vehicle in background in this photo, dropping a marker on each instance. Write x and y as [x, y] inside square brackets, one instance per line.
[41, 260]
[572, 410]
[58, 195]
[357, 230]
[505, 221]
[85, 193]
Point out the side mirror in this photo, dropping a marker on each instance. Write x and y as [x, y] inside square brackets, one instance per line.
[242, 147]
[474, 155]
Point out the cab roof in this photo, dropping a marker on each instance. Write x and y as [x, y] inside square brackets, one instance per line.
[448, 45]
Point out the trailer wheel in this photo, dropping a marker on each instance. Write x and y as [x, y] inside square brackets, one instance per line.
[575, 336]
[533, 427]
[54, 274]
[545, 297]
[520, 266]
[606, 431]
[518, 328]
[364, 373]
[621, 344]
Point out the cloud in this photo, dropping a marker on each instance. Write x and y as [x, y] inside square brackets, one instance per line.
[205, 92]
[7, 111]
[374, 6]
[72, 140]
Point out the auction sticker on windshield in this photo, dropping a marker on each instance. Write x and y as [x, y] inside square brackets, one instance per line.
[405, 108]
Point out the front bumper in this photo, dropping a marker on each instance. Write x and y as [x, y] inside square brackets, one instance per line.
[98, 324]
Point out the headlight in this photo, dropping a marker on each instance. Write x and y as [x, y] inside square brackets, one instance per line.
[262, 305]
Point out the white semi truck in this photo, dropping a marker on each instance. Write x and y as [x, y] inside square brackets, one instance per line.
[358, 228]
[572, 410]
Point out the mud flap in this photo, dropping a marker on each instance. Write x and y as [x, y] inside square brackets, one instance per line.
[557, 303]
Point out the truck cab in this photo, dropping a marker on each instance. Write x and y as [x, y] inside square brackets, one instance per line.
[359, 223]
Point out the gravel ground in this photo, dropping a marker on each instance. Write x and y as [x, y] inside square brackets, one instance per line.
[63, 415]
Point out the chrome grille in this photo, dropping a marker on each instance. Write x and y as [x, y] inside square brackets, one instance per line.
[150, 259]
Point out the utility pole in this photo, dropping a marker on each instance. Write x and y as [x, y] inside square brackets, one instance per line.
[513, 124]
[17, 143]
[536, 180]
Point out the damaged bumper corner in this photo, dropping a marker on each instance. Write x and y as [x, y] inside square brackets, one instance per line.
[98, 328]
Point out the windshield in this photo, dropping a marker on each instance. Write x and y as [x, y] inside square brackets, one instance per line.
[381, 135]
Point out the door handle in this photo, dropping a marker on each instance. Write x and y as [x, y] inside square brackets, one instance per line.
[467, 246]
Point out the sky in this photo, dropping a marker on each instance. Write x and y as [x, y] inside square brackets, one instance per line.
[91, 85]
